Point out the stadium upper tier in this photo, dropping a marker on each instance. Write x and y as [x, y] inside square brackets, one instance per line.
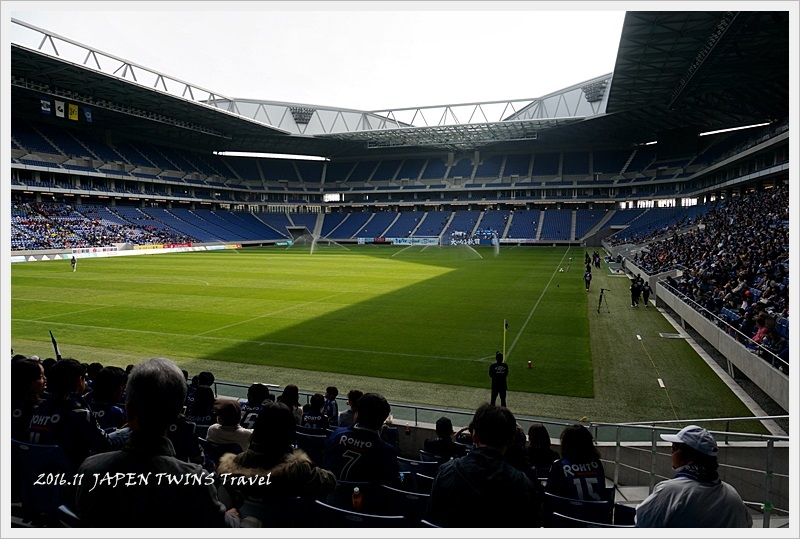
[51, 157]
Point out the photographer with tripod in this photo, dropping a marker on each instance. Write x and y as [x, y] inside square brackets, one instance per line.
[603, 300]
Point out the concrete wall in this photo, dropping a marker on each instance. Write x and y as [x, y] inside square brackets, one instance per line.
[772, 381]
[742, 464]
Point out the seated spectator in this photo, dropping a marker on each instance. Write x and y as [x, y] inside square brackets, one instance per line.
[331, 407]
[389, 433]
[347, 418]
[313, 416]
[28, 383]
[747, 325]
[761, 332]
[156, 393]
[193, 385]
[291, 398]
[772, 343]
[464, 437]
[443, 445]
[696, 497]
[185, 441]
[515, 455]
[106, 402]
[201, 410]
[256, 395]
[538, 450]
[482, 489]
[358, 453]
[579, 473]
[64, 419]
[91, 372]
[271, 455]
[206, 378]
[227, 429]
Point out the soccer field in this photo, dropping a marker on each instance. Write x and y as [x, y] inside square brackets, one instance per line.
[428, 318]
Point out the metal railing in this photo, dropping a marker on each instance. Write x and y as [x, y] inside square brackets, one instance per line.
[763, 352]
[725, 438]
[616, 440]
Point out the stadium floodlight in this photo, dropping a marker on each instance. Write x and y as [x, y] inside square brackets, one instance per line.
[273, 156]
[718, 131]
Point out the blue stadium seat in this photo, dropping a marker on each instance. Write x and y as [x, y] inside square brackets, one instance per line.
[328, 516]
[417, 466]
[32, 462]
[213, 451]
[624, 514]
[342, 495]
[68, 517]
[276, 512]
[782, 327]
[423, 483]
[589, 510]
[427, 456]
[411, 505]
[312, 444]
[557, 520]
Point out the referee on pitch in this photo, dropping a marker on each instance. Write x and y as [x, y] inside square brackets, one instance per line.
[498, 372]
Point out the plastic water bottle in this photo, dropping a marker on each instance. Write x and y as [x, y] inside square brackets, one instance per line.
[357, 499]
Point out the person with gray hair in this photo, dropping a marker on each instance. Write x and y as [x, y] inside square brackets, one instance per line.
[143, 484]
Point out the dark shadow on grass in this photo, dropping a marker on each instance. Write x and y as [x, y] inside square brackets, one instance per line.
[444, 329]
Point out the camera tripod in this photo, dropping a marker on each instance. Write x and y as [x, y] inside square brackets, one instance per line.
[602, 301]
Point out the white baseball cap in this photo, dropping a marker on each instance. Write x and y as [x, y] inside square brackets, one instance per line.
[695, 437]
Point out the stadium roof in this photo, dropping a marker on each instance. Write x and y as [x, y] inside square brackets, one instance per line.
[674, 70]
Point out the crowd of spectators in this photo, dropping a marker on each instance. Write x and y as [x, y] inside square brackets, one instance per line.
[736, 262]
[498, 473]
[656, 230]
[60, 226]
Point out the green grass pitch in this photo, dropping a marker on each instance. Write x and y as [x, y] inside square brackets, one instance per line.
[392, 315]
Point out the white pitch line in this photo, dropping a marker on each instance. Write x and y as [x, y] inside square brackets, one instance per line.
[271, 343]
[401, 250]
[70, 313]
[271, 313]
[139, 280]
[61, 301]
[530, 314]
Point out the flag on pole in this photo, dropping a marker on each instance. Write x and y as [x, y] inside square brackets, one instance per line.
[55, 346]
[505, 329]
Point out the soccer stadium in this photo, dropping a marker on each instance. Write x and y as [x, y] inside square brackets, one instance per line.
[620, 248]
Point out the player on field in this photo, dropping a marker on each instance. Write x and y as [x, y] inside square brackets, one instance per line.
[498, 372]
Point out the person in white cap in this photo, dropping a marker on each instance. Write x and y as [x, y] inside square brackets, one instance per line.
[696, 497]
